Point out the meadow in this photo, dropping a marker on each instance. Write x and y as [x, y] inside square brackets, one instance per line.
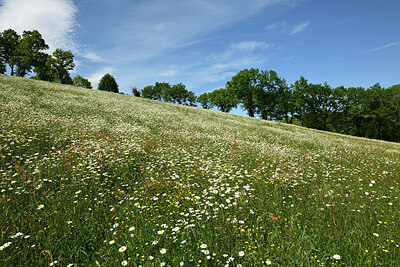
[90, 178]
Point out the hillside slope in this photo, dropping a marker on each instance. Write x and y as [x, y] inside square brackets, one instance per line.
[90, 176]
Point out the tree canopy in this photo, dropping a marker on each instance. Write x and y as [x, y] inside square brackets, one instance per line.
[176, 93]
[79, 81]
[108, 84]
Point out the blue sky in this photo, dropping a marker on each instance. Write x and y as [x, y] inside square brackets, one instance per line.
[204, 43]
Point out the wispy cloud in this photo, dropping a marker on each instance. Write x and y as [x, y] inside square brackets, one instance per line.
[169, 73]
[277, 26]
[250, 45]
[300, 27]
[91, 56]
[385, 46]
[157, 27]
[54, 19]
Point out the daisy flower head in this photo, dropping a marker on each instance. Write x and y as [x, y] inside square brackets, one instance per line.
[268, 262]
[336, 257]
[203, 246]
[132, 228]
[122, 249]
[124, 263]
[163, 251]
[241, 253]
[40, 207]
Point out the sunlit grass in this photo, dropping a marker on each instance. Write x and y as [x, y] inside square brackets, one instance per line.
[90, 178]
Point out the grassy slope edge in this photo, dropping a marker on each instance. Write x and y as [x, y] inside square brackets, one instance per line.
[93, 177]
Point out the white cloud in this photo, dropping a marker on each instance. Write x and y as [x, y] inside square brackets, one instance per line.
[250, 45]
[54, 19]
[92, 56]
[277, 26]
[95, 77]
[169, 73]
[385, 46]
[300, 27]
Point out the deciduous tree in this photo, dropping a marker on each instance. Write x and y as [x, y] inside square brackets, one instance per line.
[79, 81]
[244, 86]
[108, 84]
[29, 52]
[9, 42]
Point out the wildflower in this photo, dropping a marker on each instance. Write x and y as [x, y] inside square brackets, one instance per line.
[155, 242]
[70, 265]
[151, 257]
[160, 232]
[163, 251]
[241, 253]
[111, 242]
[336, 257]
[122, 249]
[181, 263]
[53, 263]
[268, 262]
[162, 264]
[132, 228]
[203, 246]
[376, 234]
[40, 207]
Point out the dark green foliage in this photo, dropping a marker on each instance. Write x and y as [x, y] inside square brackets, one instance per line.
[29, 52]
[371, 113]
[55, 67]
[2, 68]
[9, 42]
[135, 92]
[177, 93]
[60, 64]
[191, 99]
[108, 84]
[204, 100]
[272, 96]
[155, 92]
[223, 99]
[79, 81]
[244, 86]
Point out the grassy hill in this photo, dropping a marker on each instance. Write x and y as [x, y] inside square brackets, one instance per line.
[95, 178]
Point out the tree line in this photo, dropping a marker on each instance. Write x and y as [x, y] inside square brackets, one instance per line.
[25, 54]
[373, 112]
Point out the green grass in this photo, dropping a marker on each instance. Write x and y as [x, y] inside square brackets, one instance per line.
[114, 171]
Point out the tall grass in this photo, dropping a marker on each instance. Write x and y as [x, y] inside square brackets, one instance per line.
[94, 178]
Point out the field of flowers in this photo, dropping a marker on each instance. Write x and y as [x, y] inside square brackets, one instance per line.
[95, 178]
